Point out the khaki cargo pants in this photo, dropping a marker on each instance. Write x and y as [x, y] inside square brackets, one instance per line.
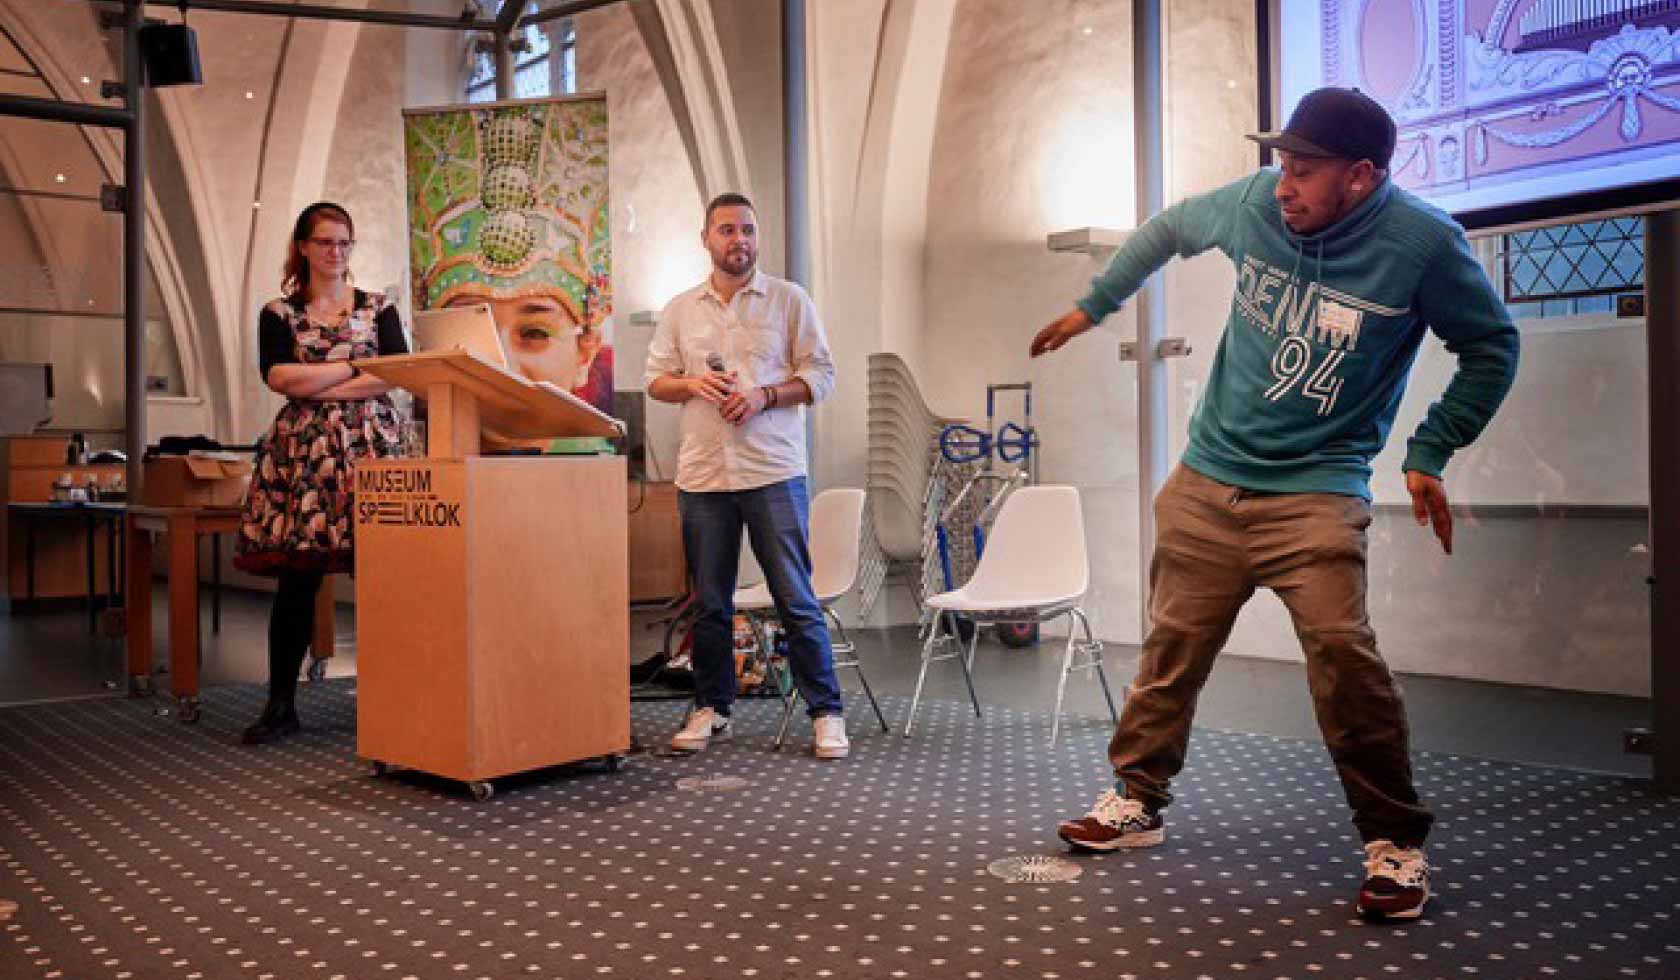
[1215, 545]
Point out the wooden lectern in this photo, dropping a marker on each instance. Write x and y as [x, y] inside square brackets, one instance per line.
[492, 593]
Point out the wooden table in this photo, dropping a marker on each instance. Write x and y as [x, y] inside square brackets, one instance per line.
[92, 515]
[658, 570]
[181, 528]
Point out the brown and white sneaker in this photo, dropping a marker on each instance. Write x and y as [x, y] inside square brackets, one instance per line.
[1115, 823]
[1396, 882]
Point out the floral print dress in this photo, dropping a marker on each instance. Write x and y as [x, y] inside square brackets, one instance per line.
[297, 514]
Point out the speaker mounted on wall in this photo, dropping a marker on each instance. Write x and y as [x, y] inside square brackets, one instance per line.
[170, 54]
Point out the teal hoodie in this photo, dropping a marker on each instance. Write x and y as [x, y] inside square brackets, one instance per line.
[1322, 334]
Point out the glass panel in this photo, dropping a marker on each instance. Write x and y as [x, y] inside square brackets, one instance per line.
[1595, 304]
[566, 67]
[530, 80]
[532, 74]
[1575, 259]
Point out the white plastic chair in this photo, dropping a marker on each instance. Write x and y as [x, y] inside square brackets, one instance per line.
[1034, 568]
[836, 543]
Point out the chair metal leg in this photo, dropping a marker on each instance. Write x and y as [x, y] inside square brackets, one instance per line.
[944, 631]
[846, 646]
[839, 640]
[790, 693]
[1093, 650]
[928, 646]
[968, 674]
[787, 718]
[871, 693]
[1061, 682]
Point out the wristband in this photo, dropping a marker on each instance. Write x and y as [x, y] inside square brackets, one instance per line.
[770, 396]
[355, 372]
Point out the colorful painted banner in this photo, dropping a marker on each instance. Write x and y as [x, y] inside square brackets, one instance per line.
[507, 205]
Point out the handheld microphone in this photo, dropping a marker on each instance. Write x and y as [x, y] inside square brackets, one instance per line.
[714, 362]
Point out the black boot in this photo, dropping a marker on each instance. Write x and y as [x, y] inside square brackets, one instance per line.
[279, 719]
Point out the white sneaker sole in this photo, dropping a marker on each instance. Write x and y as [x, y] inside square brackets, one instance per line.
[1407, 916]
[831, 752]
[692, 745]
[1129, 842]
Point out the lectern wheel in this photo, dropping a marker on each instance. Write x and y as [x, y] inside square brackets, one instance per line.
[380, 768]
[481, 789]
[317, 669]
[613, 762]
[190, 711]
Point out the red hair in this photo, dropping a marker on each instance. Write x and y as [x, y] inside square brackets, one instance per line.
[294, 274]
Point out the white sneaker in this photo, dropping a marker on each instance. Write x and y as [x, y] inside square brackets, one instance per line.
[831, 741]
[701, 726]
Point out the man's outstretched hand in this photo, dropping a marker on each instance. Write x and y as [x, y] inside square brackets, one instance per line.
[1059, 332]
[1429, 505]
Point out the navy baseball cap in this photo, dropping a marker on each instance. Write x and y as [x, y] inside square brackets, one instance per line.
[1336, 122]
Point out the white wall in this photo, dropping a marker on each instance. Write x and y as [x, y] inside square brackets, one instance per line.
[1574, 430]
[1034, 136]
[657, 212]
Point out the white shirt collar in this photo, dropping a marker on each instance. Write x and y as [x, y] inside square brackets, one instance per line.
[759, 283]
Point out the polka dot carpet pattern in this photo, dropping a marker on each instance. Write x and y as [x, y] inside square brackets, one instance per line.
[134, 846]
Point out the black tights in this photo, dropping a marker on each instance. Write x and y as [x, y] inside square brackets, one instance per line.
[290, 628]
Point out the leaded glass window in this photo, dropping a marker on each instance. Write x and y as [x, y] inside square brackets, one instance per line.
[1574, 268]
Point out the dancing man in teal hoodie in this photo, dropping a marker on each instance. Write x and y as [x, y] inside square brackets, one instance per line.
[1339, 273]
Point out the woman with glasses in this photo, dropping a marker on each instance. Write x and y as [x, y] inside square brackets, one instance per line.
[296, 524]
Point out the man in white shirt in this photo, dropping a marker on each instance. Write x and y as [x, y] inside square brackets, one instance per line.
[741, 352]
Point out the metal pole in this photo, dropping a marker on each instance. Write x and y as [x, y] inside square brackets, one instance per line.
[507, 29]
[1266, 58]
[795, 191]
[795, 137]
[50, 195]
[1662, 333]
[304, 11]
[504, 66]
[49, 311]
[134, 247]
[53, 110]
[1151, 300]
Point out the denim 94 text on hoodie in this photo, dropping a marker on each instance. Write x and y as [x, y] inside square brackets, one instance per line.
[1322, 333]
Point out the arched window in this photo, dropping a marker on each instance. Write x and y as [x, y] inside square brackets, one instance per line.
[545, 62]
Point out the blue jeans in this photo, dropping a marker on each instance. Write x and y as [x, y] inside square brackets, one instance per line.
[776, 519]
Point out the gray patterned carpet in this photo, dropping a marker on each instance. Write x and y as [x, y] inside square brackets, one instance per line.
[133, 846]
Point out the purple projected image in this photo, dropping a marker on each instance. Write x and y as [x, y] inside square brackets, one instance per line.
[1502, 101]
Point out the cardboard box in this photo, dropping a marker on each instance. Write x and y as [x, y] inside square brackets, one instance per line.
[195, 481]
